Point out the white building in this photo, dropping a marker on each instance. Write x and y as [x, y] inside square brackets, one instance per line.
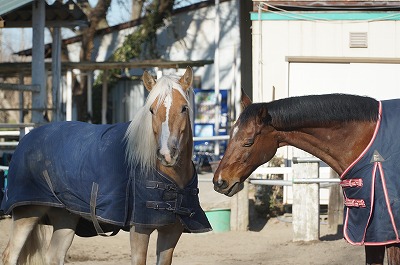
[305, 48]
[320, 47]
[197, 32]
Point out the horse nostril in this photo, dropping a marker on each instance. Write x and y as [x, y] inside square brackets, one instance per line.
[220, 183]
[174, 151]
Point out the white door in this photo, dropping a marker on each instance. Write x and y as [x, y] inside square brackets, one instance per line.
[380, 81]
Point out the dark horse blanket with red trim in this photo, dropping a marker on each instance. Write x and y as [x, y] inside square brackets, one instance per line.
[371, 185]
[82, 167]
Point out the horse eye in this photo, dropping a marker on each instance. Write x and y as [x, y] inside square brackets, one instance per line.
[184, 108]
[249, 143]
[151, 111]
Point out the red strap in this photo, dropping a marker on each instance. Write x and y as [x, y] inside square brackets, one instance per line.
[354, 203]
[351, 183]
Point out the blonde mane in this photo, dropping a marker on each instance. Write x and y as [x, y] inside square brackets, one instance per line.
[141, 147]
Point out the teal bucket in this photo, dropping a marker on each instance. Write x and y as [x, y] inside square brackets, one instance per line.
[220, 219]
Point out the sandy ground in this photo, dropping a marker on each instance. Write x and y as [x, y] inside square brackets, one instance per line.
[267, 242]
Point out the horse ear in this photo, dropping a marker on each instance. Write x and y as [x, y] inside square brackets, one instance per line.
[244, 100]
[262, 119]
[187, 79]
[148, 81]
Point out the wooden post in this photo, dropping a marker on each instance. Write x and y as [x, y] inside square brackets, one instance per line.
[335, 207]
[38, 67]
[68, 107]
[56, 74]
[89, 95]
[21, 99]
[104, 98]
[305, 200]
[240, 209]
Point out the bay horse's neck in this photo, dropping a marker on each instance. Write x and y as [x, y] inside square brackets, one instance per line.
[337, 145]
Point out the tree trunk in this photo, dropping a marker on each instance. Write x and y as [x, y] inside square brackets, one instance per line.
[97, 20]
[137, 7]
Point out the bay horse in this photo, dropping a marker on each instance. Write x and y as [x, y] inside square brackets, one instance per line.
[358, 137]
[91, 180]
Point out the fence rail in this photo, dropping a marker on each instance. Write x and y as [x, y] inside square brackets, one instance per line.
[20, 87]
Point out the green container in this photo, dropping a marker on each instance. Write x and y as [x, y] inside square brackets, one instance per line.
[220, 219]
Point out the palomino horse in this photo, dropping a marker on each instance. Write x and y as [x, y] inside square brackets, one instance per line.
[358, 137]
[89, 179]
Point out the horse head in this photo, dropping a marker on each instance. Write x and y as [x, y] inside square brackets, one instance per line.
[253, 142]
[170, 117]
[160, 134]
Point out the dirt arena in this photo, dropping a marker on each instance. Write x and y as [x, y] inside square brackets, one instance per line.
[267, 242]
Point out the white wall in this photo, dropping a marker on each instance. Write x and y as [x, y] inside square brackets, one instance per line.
[274, 41]
[190, 36]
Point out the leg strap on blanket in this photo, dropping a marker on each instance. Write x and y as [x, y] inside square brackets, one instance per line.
[169, 206]
[48, 181]
[93, 198]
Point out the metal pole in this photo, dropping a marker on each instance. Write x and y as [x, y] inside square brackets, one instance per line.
[278, 182]
[298, 160]
[211, 138]
[217, 76]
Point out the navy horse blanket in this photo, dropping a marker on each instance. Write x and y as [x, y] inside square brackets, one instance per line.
[82, 167]
[371, 185]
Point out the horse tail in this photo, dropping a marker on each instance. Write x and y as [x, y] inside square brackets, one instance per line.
[33, 251]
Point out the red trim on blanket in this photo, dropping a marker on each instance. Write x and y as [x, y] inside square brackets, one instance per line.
[378, 123]
[346, 236]
[377, 165]
[385, 192]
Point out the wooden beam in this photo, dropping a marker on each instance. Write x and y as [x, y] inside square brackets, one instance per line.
[9, 69]
[16, 125]
[20, 87]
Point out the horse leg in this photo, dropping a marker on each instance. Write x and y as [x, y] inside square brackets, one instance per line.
[25, 220]
[374, 254]
[393, 254]
[64, 225]
[140, 237]
[167, 239]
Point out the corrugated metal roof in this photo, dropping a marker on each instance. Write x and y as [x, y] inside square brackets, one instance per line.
[7, 6]
[57, 15]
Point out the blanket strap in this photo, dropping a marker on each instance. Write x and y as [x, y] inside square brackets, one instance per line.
[169, 206]
[150, 184]
[93, 199]
[351, 183]
[48, 181]
[359, 203]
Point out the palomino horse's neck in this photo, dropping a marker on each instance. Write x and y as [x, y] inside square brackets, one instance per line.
[337, 145]
[182, 172]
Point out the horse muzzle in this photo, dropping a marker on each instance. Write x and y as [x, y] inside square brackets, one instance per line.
[222, 186]
[167, 159]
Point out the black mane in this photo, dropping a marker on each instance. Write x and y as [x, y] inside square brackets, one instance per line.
[315, 110]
